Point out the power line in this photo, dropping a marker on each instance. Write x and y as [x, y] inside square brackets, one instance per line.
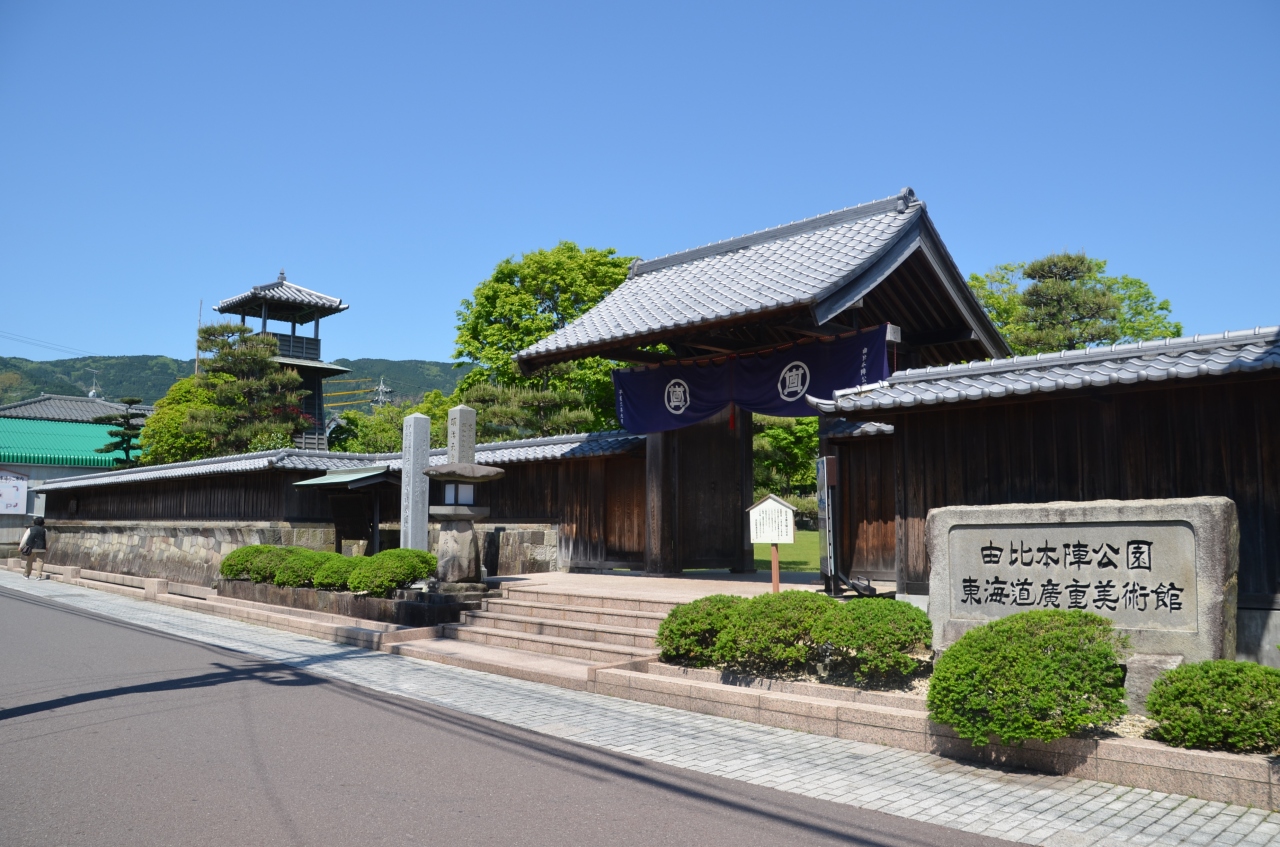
[48, 345]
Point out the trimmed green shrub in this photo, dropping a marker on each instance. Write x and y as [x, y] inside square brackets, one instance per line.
[422, 562]
[1218, 705]
[873, 638]
[300, 566]
[687, 636]
[391, 569]
[263, 566]
[1042, 674]
[773, 633]
[257, 562]
[235, 565]
[333, 573]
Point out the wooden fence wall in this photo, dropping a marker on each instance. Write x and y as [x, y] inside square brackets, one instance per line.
[865, 500]
[1151, 441]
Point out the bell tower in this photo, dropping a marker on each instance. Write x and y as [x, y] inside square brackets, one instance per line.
[286, 303]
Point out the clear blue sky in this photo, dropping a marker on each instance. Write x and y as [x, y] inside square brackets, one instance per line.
[391, 154]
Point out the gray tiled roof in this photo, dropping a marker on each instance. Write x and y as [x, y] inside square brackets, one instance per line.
[500, 453]
[284, 292]
[851, 429]
[580, 446]
[1243, 351]
[792, 265]
[63, 407]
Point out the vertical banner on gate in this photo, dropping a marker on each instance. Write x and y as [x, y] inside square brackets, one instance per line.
[774, 383]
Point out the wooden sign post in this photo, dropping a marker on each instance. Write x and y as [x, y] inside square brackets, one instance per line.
[773, 522]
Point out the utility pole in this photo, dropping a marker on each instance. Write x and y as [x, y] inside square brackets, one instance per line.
[199, 323]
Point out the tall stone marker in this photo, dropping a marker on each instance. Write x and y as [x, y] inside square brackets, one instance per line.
[1163, 570]
[414, 527]
[462, 435]
[458, 547]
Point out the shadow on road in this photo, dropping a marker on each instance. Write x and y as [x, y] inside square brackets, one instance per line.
[271, 675]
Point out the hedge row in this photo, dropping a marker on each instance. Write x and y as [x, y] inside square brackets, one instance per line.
[299, 567]
[795, 632]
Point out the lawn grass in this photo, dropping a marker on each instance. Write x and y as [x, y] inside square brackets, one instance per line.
[801, 556]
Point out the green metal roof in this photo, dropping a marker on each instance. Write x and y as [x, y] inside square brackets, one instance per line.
[34, 442]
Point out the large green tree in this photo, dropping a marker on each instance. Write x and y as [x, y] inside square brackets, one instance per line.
[127, 427]
[529, 298]
[165, 436]
[259, 405]
[1065, 301]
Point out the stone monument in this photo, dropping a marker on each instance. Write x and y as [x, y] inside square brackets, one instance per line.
[1163, 570]
[415, 530]
[458, 549]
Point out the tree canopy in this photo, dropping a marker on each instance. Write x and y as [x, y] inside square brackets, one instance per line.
[165, 436]
[529, 298]
[784, 454]
[258, 406]
[1068, 302]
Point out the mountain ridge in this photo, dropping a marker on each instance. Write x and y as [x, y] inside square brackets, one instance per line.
[149, 377]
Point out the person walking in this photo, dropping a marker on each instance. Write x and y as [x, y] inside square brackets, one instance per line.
[34, 543]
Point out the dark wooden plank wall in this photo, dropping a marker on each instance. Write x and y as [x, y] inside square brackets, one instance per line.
[262, 496]
[865, 532]
[598, 504]
[1180, 439]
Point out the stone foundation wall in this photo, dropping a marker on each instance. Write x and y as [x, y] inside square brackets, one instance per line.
[191, 552]
[188, 552]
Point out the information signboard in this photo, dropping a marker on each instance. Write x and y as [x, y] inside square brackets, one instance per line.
[13, 493]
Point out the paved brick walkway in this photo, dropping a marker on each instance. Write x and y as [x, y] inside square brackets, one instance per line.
[1055, 811]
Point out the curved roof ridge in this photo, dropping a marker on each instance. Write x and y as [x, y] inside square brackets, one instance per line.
[897, 202]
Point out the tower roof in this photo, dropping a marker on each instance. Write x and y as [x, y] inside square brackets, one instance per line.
[284, 301]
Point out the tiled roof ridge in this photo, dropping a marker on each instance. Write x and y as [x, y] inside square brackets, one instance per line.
[267, 457]
[270, 458]
[1229, 338]
[77, 397]
[571, 438]
[903, 201]
[284, 283]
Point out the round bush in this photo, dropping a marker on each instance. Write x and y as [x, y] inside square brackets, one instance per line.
[1042, 674]
[422, 563]
[1218, 705]
[300, 565]
[874, 638]
[687, 636]
[380, 575]
[333, 573]
[235, 565]
[257, 562]
[773, 633]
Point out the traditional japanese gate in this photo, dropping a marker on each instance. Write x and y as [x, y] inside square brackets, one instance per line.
[761, 322]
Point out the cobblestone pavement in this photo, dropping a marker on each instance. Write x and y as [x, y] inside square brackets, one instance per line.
[1050, 810]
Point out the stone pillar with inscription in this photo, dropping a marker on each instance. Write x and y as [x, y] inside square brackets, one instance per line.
[414, 529]
[1164, 571]
[458, 548]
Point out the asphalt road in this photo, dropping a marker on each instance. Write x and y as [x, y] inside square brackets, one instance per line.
[111, 734]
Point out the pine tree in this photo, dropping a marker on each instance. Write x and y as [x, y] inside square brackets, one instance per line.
[505, 412]
[259, 404]
[128, 427]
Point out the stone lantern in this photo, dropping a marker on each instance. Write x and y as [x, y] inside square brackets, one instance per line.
[458, 549]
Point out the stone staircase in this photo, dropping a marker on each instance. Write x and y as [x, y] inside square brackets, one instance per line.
[546, 636]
